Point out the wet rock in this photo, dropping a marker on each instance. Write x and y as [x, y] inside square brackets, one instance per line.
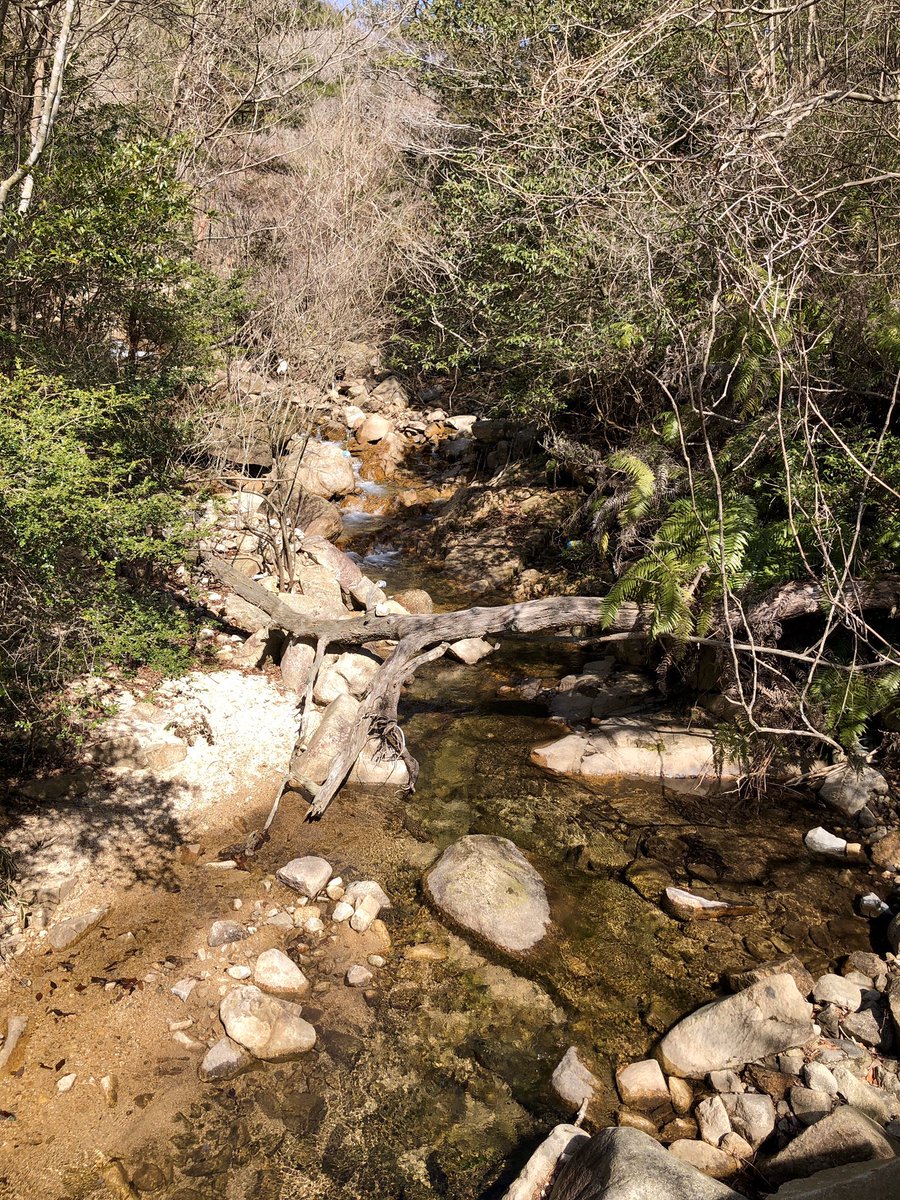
[637, 747]
[269, 1028]
[835, 989]
[553, 1152]
[849, 790]
[69, 932]
[222, 933]
[787, 964]
[845, 1136]
[486, 885]
[687, 906]
[307, 875]
[278, 975]
[572, 1081]
[751, 1115]
[366, 887]
[809, 1104]
[470, 650]
[642, 1084]
[365, 913]
[875, 1102]
[224, 1060]
[626, 1164]
[712, 1120]
[709, 1159]
[767, 1018]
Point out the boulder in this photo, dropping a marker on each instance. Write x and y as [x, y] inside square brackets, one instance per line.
[320, 591]
[859, 1181]
[706, 1158]
[626, 1164]
[844, 1136]
[875, 1102]
[224, 1060]
[835, 989]
[572, 1081]
[351, 673]
[640, 748]
[312, 765]
[554, 1151]
[269, 1028]
[372, 429]
[65, 934]
[810, 1104]
[372, 770]
[767, 1018]
[320, 468]
[278, 975]
[712, 1120]
[486, 885]
[849, 790]
[307, 875]
[296, 664]
[345, 571]
[752, 1115]
[316, 516]
[642, 1084]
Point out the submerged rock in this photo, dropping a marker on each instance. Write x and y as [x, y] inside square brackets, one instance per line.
[636, 747]
[224, 1060]
[687, 906]
[486, 885]
[767, 1018]
[626, 1164]
[572, 1081]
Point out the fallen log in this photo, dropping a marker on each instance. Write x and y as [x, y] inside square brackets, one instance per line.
[423, 639]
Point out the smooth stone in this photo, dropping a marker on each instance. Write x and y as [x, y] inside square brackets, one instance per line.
[642, 1084]
[572, 1081]
[767, 1018]
[844, 1136]
[223, 933]
[871, 1025]
[820, 841]
[837, 989]
[712, 1120]
[365, 912]
[279, 975]
[752, 1115]
[626, 1164]
[791, 1062]
[67, 933]
[726, 1081]
[342, 911]
[809, 1104]
[308, 875]
[486, 885]
[471, 650]
[849, 791]
[355, 892]
[238, 972]
[636, 1120]
[268, 1027]
[738, 1147]
[554, 1151]
[708, 1159]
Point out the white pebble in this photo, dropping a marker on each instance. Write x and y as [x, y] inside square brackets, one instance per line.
[342, 911]
[66, 1083]
[239, 972]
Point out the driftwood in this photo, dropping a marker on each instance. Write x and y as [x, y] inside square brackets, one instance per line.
[423, 639]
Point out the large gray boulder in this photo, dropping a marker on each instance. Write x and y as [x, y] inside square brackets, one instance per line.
[767, 1018]
[557, 1148]
[626, 1164]
[845, 1136]
[320, 468]
[331, 737]
[486, 885]
[849, 790]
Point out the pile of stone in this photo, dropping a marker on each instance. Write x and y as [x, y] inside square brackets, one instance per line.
[785, 1078]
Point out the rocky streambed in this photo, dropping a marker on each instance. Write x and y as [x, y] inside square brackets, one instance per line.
[404, 999]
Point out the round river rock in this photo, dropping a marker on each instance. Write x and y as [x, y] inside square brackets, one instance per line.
[486, 885]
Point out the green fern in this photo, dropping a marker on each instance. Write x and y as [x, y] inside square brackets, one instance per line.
[851, 699]
[643, 485]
